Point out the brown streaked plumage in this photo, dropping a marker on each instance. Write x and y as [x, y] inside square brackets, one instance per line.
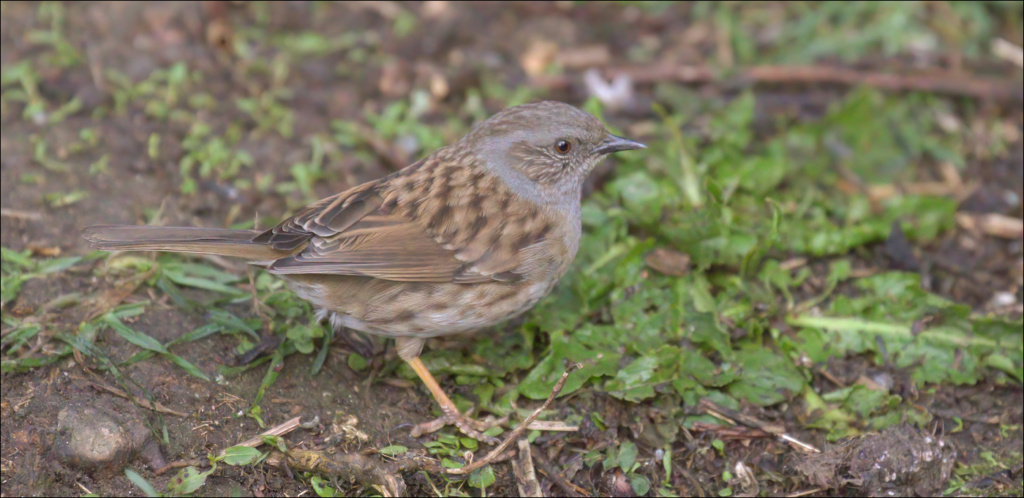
[475, 233]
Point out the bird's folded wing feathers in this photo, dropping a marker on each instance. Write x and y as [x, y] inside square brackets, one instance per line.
[354, 234]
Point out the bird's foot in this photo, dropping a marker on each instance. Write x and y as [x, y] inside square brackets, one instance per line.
[468, 426]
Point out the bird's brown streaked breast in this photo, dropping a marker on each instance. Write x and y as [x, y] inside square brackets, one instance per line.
[416, 309]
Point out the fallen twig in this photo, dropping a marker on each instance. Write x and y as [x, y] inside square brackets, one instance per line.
[155, 406]
[551, 426]
[831, 378]
[730, 433]
[355, 467]
[180, 464]
[939, 189]
[736, 417]
[521, 428]
[942, 82]
[547, 468]
[798, 494]
[522, 468]
[20, 215]
[1008, 52]
[993, 224]
[792, 264]
[278, 430]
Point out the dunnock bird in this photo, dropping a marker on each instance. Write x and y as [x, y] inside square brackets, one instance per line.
[475, 233]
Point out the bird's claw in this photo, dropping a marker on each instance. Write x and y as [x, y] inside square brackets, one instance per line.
[468, 426]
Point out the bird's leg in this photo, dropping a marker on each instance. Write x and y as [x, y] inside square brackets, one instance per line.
[452, 416]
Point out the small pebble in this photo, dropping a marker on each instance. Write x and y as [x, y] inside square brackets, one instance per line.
[408, 143]
[90, 440]
[884, 380]
[1003, 299]
[1011, 198]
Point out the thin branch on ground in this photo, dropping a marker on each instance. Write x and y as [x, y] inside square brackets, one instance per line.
[992, 224]
[278, 430]
[805, 492]
[1007, 51]
[356, 468]
[547, 468]
[735, 417]
[180, 464]
[521, 428]
[936, 81]
[522, 468]
[155, 406]
[18, 214]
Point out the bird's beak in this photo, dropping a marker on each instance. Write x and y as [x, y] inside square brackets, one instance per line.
[618, 144]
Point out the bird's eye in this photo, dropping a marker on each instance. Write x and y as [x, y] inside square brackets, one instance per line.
[563, 146]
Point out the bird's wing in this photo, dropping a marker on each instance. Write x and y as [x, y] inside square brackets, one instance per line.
[359, 233]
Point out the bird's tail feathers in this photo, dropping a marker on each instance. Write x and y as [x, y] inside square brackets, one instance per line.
[211, 241]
